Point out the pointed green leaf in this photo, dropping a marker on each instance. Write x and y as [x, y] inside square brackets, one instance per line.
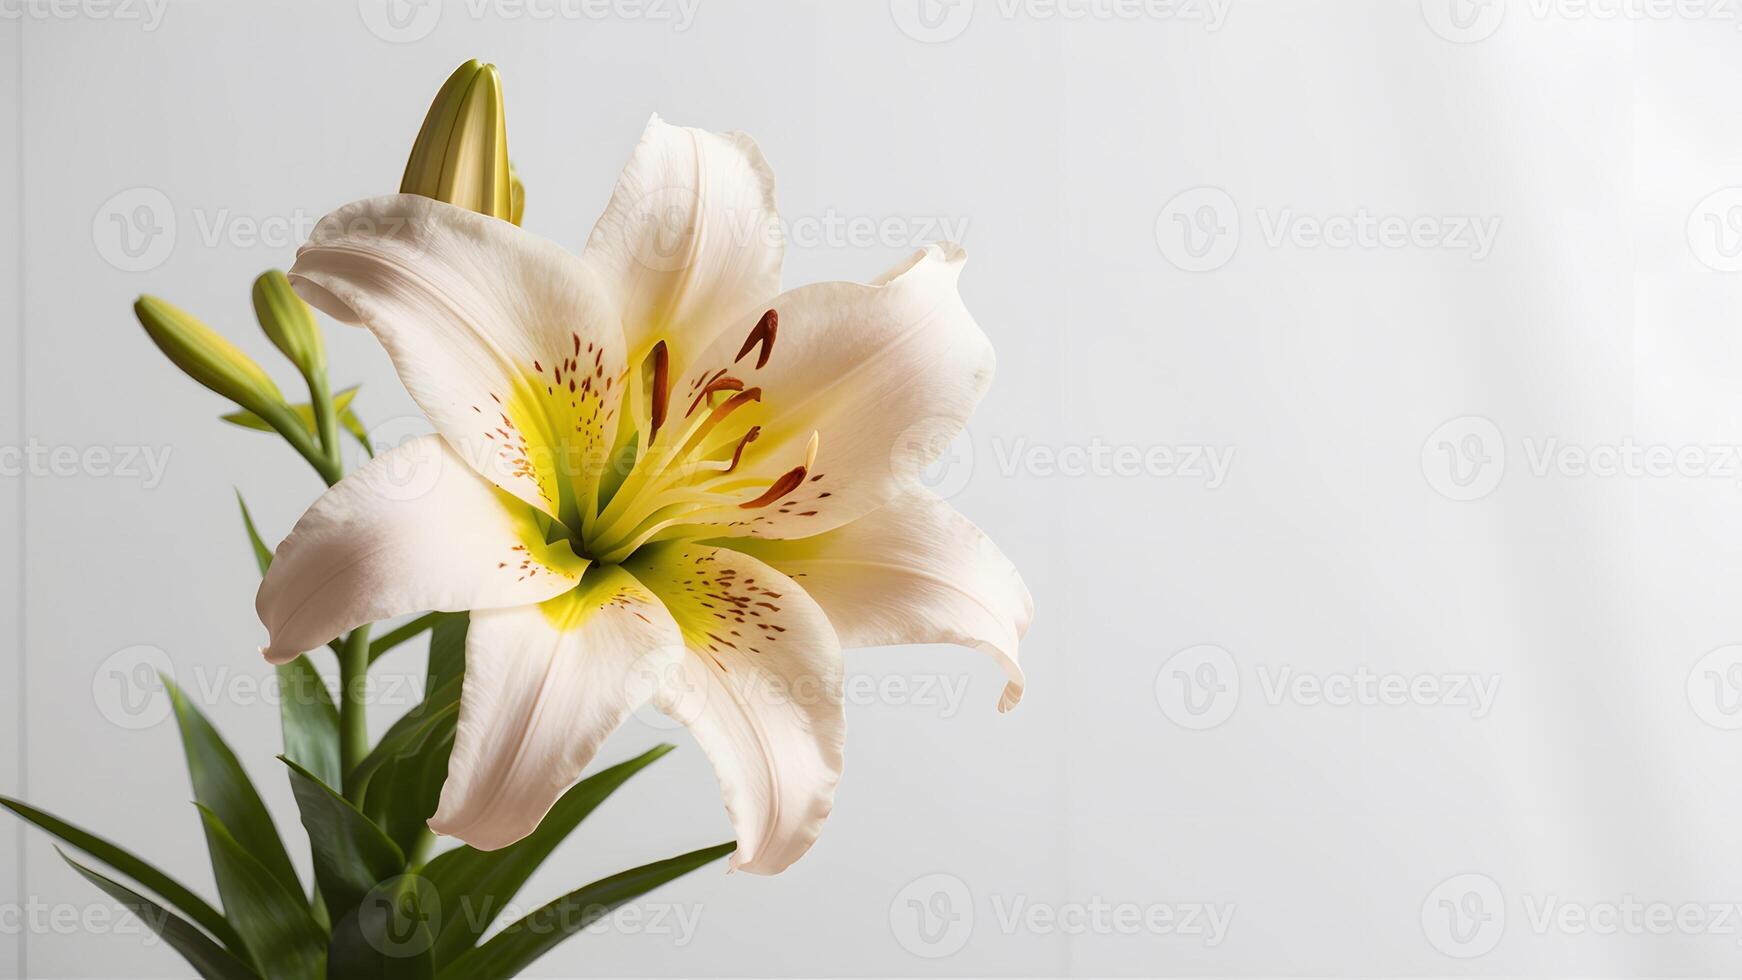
[469, 879]
[262, 554]
[447, 650]
[351, 854]
[514, 948]
[131, 865]
[305, 413]
[388, 935]
[422, 726]
[221, 785]
[309, 718]
[210, 959]
[404, 794]
[399, 634]
[351, 423]
[274, 921]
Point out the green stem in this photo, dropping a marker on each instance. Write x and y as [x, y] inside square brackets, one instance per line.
[326, 419]
[395, 637]
[353, 723]
[291, 428]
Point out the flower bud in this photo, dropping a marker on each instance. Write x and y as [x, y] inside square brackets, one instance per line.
[461, 154]
[516, 195]
[289, 323]
[207, 357]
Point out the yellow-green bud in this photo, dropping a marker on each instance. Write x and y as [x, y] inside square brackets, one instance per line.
[205, 356]
[289, 323]
[516, 195]
[461, 154]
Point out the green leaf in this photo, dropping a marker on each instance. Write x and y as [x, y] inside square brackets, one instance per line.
[131, 865]
[447, 650]
[349, 421]
[404, 794]
[514, 948]
[351, 855]
[309, 718]
[469, 879]
[399, 634]
[283, 939]
[422, 726]
[305, 413]
[388, 935]
[221, 786]
[262, 554]
[210, 959]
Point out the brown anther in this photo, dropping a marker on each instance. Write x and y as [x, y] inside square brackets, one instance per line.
[726, 383]
[661, 386]
[738, 453]
[763, 333]
[783, 486]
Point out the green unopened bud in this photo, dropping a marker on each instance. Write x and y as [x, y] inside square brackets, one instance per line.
[205, 356]
[461, 154]
[289, 323]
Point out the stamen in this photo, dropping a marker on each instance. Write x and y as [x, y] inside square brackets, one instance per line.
[661, 387]
[810, 450]
[763, 333]
[738, 453]
[726, 383]
[783, 486]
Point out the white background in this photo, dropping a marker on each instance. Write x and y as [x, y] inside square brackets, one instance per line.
[1364, 388]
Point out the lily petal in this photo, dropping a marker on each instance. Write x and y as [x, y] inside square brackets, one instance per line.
[544, 686]
[507, 342]
[912, 571]
[760, 691]
[690, 241]
[413, 529]
[876, 379]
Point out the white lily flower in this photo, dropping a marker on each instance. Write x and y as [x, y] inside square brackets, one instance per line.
[657, 475]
